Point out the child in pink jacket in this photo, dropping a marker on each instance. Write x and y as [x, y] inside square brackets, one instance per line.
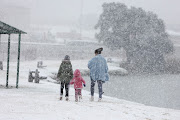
[78, 81]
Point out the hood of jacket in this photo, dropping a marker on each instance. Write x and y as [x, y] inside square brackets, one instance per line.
[77, 73]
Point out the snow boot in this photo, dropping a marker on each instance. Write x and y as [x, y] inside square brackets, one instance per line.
[100, 99]
[92, 98]
[61, 97]
[67, 98]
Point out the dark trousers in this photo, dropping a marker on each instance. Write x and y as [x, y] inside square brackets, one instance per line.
[99, 87]
[66, 88]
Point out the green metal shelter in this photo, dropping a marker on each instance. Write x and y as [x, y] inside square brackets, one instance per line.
[7, 29]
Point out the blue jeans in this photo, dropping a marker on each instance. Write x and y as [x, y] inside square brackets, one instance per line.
[100, 82]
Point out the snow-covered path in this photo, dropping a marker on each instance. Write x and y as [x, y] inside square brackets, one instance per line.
[41, 102]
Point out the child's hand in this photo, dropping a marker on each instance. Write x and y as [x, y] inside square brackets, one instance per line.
[84, 85]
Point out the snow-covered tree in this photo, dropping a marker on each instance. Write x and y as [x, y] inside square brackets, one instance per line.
[142, 35]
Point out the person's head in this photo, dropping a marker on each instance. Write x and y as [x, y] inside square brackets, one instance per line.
[98, 51]
[77, 73]
[67, 57]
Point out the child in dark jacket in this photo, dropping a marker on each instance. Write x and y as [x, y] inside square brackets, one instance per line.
[78, 81]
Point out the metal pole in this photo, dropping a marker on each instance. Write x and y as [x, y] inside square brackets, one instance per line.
[19, 46]
[1, 62]
[0, 49]
[7, 77]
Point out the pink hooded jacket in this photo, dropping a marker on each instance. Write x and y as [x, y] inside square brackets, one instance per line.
[77, 80]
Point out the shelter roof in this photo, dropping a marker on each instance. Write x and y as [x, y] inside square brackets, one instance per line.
[7, 29]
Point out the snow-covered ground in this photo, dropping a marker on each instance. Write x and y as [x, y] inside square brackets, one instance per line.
[41, 101]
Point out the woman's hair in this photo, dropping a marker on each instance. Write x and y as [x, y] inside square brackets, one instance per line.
[98, 51]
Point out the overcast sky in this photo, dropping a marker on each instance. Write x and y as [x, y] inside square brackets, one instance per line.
[69, 10]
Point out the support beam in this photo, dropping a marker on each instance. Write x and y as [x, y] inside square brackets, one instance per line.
[18, 59]
[1, 55]
[0, 49]
[8, 55]
[1, 62]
